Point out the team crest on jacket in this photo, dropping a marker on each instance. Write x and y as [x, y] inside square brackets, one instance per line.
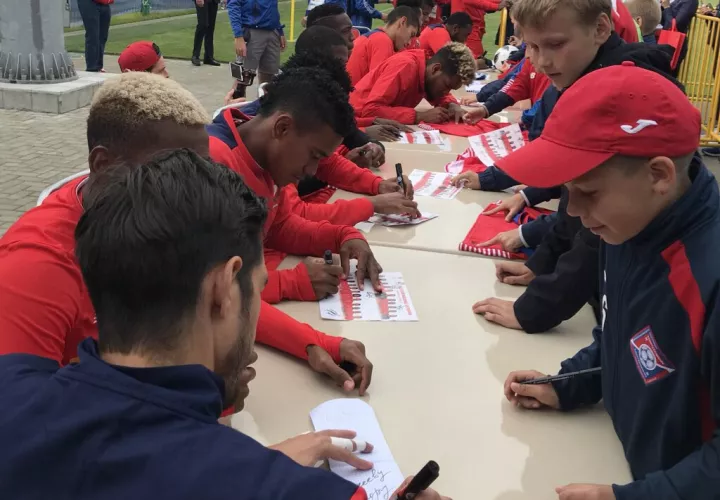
[651, 362]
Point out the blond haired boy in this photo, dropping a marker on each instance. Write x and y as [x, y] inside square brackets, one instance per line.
[647, 15]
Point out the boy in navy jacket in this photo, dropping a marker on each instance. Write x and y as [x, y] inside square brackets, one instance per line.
[634, 181]
[137, 417]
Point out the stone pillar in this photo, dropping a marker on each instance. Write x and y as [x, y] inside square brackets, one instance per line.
[32, 45]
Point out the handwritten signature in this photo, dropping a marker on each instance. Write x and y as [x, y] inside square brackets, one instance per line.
[379, 494]
[374, 474]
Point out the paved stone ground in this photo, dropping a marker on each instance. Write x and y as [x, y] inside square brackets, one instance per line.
[38, 149]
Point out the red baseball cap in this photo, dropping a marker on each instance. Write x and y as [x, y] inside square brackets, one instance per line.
[618, 110]
[139, 56]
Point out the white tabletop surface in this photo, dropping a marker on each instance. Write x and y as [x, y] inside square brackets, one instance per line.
[437, 388]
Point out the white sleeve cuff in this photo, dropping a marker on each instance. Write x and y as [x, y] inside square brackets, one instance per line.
[522, 193]
[522, 238]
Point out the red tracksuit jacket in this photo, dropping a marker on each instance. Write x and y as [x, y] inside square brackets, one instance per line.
[393, 89]
[434, 38]
[370, 50]
[284, 231]
[339, 172]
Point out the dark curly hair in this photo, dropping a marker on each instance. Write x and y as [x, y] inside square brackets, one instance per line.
[311, 96]
[324, 10]
[318, 59]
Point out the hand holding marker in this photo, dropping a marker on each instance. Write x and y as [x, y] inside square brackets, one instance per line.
[562, 376]
[420, 482]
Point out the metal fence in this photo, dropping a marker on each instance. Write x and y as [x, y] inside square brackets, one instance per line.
[698, 73]
[127, 6]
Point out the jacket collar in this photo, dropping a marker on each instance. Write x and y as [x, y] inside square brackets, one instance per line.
[192, 390]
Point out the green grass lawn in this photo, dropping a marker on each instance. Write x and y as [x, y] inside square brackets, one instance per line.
[175, 36]
[134, 17]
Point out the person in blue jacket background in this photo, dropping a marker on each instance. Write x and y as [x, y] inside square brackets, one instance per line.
[259, 35]
[362, 12]
[635, 180]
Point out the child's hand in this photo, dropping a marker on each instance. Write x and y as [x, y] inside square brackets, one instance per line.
[474, 116]
[529, 396]
[498, 311]
[509, 240]
[467, 179]
[512, 206]
[585, 492]
[468, 101]
[513, 273]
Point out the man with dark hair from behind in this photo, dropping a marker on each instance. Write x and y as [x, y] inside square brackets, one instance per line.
[175, 345]
[302, 119]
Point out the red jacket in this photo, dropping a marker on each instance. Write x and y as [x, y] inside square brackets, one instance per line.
[394, 89]
[285, 232]
[369, 51]
[623, 21]
[339, 172]
[434, 38]
[527, 84]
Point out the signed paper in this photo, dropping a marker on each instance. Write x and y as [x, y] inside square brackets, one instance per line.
[353, 304]
[421, 137]
[492, 146]
[354, 414]
[434, 184]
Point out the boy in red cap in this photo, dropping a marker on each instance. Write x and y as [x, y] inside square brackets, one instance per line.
[143, 56]
[634, 180]
[373, 48]
[436, 36]
[397, 86]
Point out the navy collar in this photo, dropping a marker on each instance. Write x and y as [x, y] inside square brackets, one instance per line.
[189, 389]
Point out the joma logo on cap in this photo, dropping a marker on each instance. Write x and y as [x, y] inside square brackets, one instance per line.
[641, 124]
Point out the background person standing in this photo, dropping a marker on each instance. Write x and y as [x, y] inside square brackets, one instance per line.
[96, 20]
[205, 30]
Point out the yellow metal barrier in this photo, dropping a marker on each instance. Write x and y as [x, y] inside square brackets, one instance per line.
[503, 28]
[698, 73]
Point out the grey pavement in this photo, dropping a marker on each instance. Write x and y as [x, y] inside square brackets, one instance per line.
[37, 149]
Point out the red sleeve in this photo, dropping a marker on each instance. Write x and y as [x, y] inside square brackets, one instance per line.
[41, 293]
[359, 494]
[518, 88]
[340, 172]
[292, 234]
[364, 121]
[288, 284]
[342, 150]
[389, 86]
[358, 62]
[277, 329]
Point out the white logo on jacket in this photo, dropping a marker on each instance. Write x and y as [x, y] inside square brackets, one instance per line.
[640, 125]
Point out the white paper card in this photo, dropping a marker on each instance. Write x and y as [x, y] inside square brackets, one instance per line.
[353, 304]
[492, 146]
[433, 184]
[421, 137]
[475, 86]
[354, 414]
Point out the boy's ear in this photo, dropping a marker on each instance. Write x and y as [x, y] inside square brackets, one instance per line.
[663, 174]
[603, 28]
[638, 21]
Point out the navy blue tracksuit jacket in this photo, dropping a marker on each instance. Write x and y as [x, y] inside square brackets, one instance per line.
[97, 431]
[659, 348]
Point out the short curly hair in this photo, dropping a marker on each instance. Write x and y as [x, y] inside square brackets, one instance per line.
[312, 97]
[124, 106]
[456, 59]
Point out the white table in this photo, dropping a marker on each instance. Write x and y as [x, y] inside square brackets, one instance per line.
[437, 388]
